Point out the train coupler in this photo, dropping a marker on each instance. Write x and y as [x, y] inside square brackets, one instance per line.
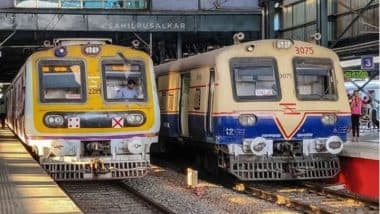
[98, 167]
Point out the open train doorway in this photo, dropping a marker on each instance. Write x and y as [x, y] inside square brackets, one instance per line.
[184, 105]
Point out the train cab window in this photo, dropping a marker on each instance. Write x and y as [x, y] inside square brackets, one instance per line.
[254, 79]
[124, 82]
[314, 79]
[61, 81]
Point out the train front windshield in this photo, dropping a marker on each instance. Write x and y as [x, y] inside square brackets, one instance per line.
[61, 81]
[314, 79]
[124, 82]
[255, 79]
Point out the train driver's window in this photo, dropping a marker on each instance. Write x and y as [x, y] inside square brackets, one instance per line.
[124, 82]
[254, 78]
[61, 81]
[314, 79]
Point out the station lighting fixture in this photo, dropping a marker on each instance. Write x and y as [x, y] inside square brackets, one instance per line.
[277, 5]
[60, 51]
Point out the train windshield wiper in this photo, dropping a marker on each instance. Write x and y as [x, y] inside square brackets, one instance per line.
[125, 60]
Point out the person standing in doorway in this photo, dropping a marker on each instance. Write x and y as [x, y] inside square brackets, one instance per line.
[356, 111]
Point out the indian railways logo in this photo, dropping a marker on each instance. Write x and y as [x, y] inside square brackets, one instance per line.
[289, 108]
[289, 126]
[117, 122]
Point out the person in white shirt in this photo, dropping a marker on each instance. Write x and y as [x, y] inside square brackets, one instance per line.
[129, 92]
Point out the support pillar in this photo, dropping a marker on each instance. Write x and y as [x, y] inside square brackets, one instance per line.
[179, 45]
[322, 22]
[268, 18]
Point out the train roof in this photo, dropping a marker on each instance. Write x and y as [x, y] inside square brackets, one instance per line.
[208, 58]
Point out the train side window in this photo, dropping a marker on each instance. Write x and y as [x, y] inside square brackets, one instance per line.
[124, 82]
[314, 79]
[254, 79]
[61, 81]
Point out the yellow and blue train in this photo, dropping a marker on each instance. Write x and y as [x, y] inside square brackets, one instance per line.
[263, 110]
[64, 104]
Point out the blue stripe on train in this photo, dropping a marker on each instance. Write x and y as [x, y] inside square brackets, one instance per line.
[227, 129]
[169, 125]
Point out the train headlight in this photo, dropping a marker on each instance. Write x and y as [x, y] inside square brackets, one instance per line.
[60, 52]
[247, 119]
[283, 44]
[135, 119]
[259, 146]
[334, 145]
[91, 49]
[328, 119]
[54, 120]
[250, 48]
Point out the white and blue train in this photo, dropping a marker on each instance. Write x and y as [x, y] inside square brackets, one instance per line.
[265, 110]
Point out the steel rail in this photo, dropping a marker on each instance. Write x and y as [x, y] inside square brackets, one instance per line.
[146, 199]
[370, 202]
[307, 207]
[285, 201]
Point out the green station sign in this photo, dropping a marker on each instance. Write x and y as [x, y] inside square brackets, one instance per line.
[356, 74]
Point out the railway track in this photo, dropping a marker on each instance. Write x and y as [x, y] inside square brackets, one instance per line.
[309, 198]
[306, 197]
[110, 197]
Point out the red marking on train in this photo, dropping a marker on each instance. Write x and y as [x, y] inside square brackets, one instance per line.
[117, 122]
[291, 134]
[292, 113]
[289, 108]
[169, 89]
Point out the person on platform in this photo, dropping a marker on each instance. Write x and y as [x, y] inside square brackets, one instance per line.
[356, 104]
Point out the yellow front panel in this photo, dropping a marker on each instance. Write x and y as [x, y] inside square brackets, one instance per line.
[95, 101]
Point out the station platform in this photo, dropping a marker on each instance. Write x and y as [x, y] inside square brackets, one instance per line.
[360, 165]
[24, 186]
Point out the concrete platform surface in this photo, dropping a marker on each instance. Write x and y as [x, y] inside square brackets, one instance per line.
[24, 186]
[367, 147]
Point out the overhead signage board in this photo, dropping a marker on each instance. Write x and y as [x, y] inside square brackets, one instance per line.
[367, 63]
[356, 74]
